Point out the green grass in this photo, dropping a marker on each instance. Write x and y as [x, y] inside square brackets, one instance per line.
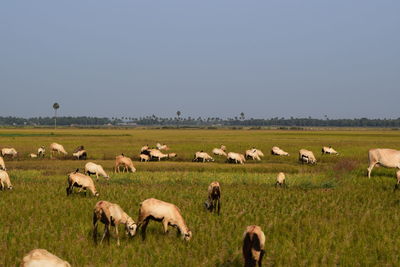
[330, 214]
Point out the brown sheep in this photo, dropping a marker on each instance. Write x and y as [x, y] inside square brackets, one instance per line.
[84, 182]
[124, 161]
[214, 197]
[253, 246]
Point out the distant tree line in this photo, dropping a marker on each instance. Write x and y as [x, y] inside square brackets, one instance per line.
[180, 121]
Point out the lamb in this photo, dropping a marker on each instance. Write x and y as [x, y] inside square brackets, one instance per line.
[42, 258]
[253, 246]
[385, 157]
[2, 164]
[9, 152]
[125, 161]
[329, 150]
[4, 178]
[144, 157]
[41, 151]
[254, 154]
[92, 168]
[281, 179]
[54, 147]
[162, 147]
[214, 197]
[278, 152]
[84, 182]
[219, 152]
[202, 156]
[81, 154]
[111, 214]
[236, 158]
[167, 213]
[307, 156]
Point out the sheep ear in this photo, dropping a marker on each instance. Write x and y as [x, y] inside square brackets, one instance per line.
[77, 170]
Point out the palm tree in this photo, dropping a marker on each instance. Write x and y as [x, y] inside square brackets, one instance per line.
[242, 116]
[55, 107]
[178, 113]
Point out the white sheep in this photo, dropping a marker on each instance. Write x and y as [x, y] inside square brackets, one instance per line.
[9, 152]
[162, 147]
[278, 152]
[93, 168]
[111, 214]
[146, 147]
[41, 151]
[219, 152]
[54, 147]
[144, 157]
[166, 213]
[329, 150]
[236, 158]
[202, 156]
[157, 154]
[42, 258]
[307, 156]
[124, 161]
[253, 246]
[280, 179]
[81, 154]
[5, 179]
[2, 164]
[33, 155]
[254, 154]
[84, 182]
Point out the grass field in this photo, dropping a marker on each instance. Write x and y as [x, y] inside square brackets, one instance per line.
[330, 214]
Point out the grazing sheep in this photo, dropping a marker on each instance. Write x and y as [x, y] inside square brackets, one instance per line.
[253, 246]
[398, 180]
[2, 164]
[157, 154]
[236, 158]
[278, 152]
[223, 147]
[162, 147]
[281, 179]
[385, 157]
[124, 161]
[84, 182]
[214, 197]
[54, 147]
[111, 214]
[41, 151]
[33, 155]
[9, 152]
[146, 147]
[4, 178]
[254, 154]
[202, 156]
[164, 212]
[78, 148]
[81, 154]
[307, 156]
[92, 168]
[329, 150]
[219, 152]
[42, 258]
[144, 157]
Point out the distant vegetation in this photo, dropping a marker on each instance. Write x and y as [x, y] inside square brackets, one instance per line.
[199, 122]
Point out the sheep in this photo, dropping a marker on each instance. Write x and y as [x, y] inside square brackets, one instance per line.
[385, 157]
[214, 197]
[92, 168]
[254, 154]
[328, 150]
[81, 154]
[144, 157]
[54, 147]
[78, 148]
[278, 152]
[167, 213]
[223, 148]
[398, 180]
[281, 179]
[4, 178]
[253, 246]
[2, 164]
[219, 152]
[9, 152]
[125, 161]
[42, 258]
[33, 155]
[236, 158]
[202, 156]
[111, 214]
[84, 182]
[162, 147]
[41, 151]
[157, 154]
[146, 147]
[307, 156]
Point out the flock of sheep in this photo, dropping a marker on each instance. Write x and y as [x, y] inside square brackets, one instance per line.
[111, 214]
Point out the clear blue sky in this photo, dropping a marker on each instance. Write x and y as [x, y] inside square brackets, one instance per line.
[206, 58]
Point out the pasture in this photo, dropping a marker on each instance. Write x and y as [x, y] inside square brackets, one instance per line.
[330, 214]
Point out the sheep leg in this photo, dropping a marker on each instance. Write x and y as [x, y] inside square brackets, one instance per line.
[144, 226]
[2, 184]
[104, 234]
[116, 232]
[219, 205]
[95, 224]
[371, 166]
[165, 226]
[97, 176]
[262, 252]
